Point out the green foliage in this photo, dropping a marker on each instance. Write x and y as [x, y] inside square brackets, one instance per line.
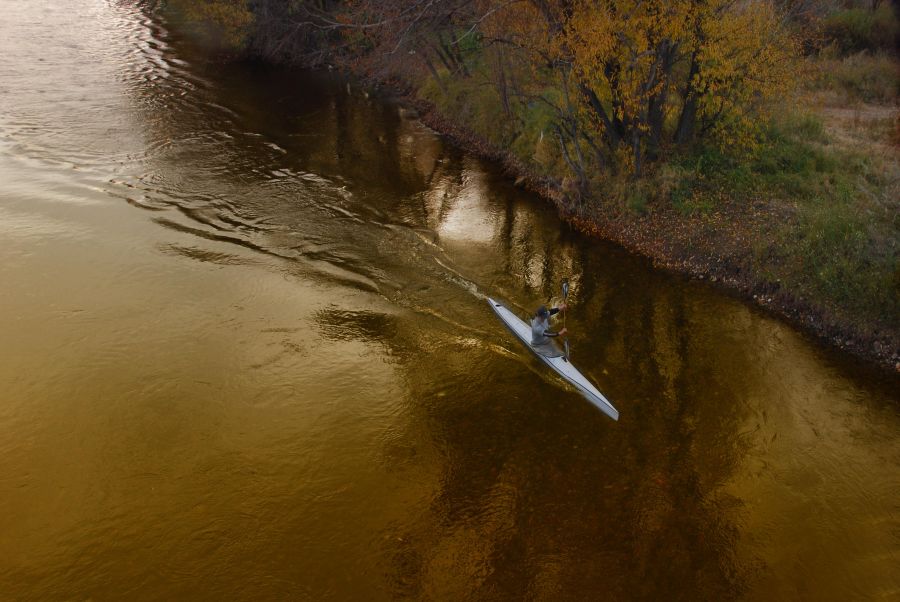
[842, 262]
[638, 197]
[227, 22]
[803, 126]
[526, 131]
[789, 159]
[861, 76]
[706, 176]
[471, 103]
[858, 29]
[536, 140]
[792, 159]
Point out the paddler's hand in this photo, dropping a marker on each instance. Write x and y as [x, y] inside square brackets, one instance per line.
[564, 331]
[562, 307]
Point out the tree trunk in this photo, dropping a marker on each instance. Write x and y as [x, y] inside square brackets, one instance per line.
[612, 133]
[452, 50]
[688, 119]
[440, 54]
[636, 149]
[685, 132]
[501, 82]
[657, 104]
[576, 168]
[435, 74]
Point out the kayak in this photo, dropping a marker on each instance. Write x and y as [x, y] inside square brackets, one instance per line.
[554, 358]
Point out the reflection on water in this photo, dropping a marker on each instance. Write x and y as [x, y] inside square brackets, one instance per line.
[246, 354]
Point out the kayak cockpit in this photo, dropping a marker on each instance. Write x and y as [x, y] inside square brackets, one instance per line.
[548, 350]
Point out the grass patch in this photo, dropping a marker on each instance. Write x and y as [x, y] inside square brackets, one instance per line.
[841, 248]
[860, 77]
[841, 256]
[791, 159]
[637, 197]
[834, 232]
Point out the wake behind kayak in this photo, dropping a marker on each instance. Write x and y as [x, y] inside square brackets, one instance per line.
[555, 360]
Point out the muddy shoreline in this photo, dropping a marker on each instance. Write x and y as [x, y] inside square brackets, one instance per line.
[667, 240]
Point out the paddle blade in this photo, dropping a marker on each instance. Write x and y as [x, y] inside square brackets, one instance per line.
[565, 288]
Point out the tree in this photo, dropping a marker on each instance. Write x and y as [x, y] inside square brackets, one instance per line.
[713, 62]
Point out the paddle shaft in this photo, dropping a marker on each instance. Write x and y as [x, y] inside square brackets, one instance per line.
[565, 292]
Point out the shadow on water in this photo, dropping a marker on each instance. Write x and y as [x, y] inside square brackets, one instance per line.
[541, 498]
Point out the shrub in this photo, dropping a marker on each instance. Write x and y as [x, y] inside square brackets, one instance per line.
[844, 262]
[788, 160]
[858, 29]
[871, 78]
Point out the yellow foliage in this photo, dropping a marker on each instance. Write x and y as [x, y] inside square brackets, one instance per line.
[647, 60]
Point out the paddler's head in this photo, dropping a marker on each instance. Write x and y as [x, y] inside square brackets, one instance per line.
[543, 313]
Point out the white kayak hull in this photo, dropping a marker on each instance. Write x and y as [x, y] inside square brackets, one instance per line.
[562, 365]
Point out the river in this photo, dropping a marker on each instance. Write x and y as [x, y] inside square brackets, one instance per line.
[245, 353]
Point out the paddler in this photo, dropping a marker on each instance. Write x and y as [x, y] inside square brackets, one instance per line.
[540, 325]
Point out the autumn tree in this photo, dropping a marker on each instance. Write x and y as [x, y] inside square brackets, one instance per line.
[651, 73]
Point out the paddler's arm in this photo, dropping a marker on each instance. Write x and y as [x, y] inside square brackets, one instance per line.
[556, 310]
[550, 333]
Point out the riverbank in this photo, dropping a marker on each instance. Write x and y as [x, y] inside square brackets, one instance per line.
[786, 194]
[713, 246]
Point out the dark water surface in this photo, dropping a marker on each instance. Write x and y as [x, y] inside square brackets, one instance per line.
[245, 354]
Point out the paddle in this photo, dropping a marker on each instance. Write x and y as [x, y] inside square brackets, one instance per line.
[565, 292]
